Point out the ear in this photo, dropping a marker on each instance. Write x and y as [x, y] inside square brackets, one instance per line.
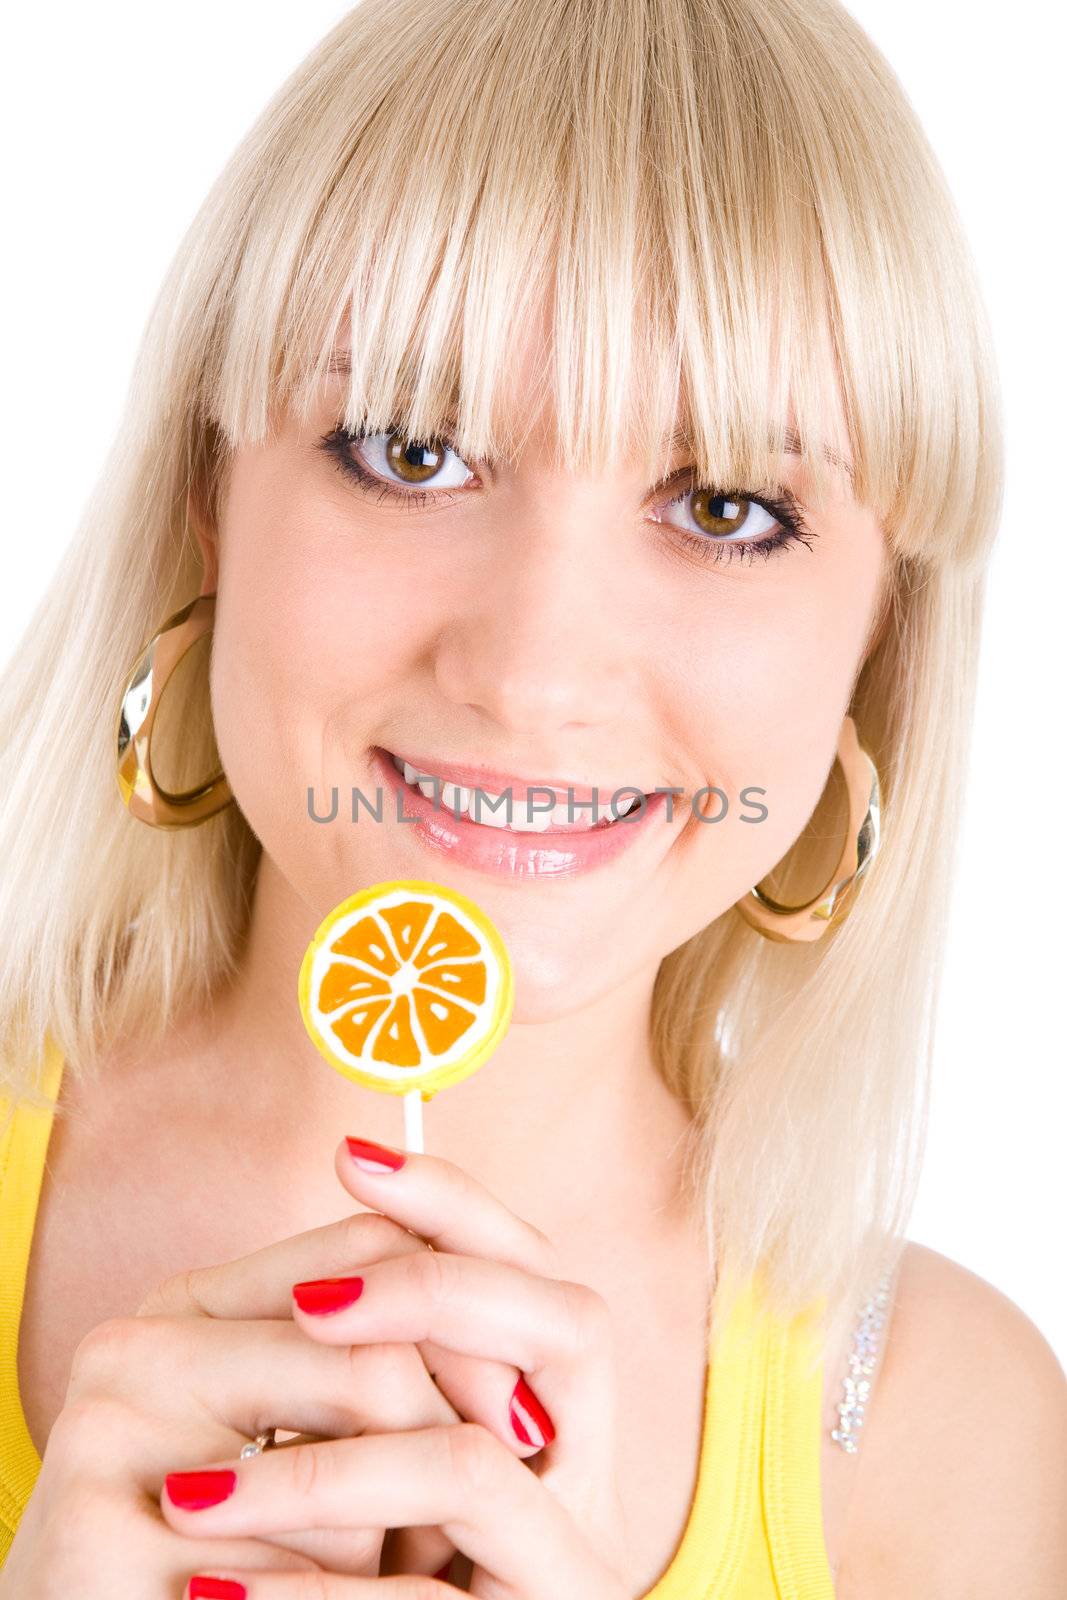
[204, 527]
[881, 619]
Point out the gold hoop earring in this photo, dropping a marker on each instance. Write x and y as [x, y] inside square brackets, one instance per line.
[789, 924]
[145, 684]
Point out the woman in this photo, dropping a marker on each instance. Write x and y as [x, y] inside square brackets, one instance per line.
[570, 395]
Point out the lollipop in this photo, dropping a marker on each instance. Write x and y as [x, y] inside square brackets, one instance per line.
[406, 987]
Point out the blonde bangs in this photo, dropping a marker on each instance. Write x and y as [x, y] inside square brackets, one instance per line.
[692, 199]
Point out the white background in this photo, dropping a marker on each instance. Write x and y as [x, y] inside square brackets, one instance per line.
[116, 118]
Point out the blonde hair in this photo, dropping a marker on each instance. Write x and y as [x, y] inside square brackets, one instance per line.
[731, 206]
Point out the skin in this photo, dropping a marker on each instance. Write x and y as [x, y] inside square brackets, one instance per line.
[539, 622]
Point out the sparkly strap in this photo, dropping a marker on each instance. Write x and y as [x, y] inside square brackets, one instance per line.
[861, 1362]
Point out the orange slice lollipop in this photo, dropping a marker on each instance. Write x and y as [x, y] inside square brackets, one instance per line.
[406, 985]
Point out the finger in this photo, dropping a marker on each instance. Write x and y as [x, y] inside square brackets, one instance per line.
[557, 1333]
[441, 1203]
[257, 1285]
[461, 1479]
[247, 1377]
[240, 1584]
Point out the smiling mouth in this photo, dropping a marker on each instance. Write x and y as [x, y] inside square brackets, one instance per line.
[501, 812]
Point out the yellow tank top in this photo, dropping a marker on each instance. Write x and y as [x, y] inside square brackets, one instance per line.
[754, 1530]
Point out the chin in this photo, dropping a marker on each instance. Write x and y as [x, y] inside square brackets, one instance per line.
[552, 983]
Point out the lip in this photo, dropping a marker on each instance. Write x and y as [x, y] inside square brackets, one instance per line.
[503, 853]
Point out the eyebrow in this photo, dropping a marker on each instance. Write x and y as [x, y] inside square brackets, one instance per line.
[340, 362]
[793, 446]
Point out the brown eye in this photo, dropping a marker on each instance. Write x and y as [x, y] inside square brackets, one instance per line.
[393, 465]
[715, 514]
[411, 460]
[733, 520]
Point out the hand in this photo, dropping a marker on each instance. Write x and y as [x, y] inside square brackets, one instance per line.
[524, 1544]
[211, 1358]
[552, 1533]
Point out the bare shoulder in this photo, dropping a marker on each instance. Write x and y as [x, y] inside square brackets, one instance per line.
[961, 1478]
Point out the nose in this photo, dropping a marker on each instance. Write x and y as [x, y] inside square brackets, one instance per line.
[540, 643]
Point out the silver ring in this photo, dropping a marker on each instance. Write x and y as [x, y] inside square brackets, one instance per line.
[261, 1442]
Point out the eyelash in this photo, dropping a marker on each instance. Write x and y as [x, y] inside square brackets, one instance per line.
[785, 507]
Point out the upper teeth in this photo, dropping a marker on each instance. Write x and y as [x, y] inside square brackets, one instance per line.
[455, 798]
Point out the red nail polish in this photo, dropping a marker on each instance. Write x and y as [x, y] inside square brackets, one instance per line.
[530, 1420]
[204, 1588]
[193, 1491]
[322, 1295]
[377, 1158]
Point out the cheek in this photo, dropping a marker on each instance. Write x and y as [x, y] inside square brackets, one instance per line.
[307, 643]
[765, 705]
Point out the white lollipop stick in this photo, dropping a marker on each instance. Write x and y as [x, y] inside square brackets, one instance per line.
[413, 1121]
